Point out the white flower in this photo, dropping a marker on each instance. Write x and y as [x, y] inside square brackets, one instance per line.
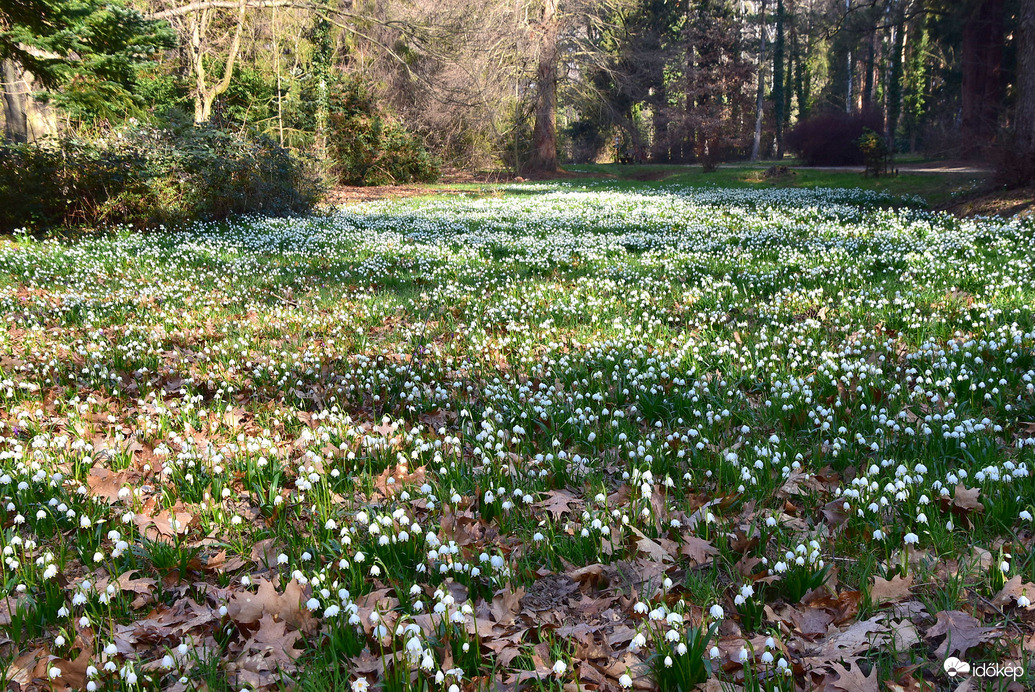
[560, 668]
[717, 612]
[625, 681]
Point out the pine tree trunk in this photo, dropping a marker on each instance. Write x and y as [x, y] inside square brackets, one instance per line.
[870, 62]
[544, 132]
[849, 106]
[982, 56]
[1024, 119]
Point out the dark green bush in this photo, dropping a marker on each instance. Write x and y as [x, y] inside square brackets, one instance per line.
[147, 176]
[366, 147]
[831, 137]
[876, 153]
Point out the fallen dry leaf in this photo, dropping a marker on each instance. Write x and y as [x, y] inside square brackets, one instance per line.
[962, 631]
[853, 680]
[698, 550]
[558, 502]
[247, 608]
[966, 499]
[657, 550]
[141, 586]
[1014, 589]
[858, 638]
[894, 589]
[106, 484]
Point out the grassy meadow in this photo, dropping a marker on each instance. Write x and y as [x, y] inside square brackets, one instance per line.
[585, 435]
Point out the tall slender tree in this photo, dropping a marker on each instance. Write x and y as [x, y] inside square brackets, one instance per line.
[982, 63]
[1024, 117]
[756, 143]
[778, 78]
[895, 71]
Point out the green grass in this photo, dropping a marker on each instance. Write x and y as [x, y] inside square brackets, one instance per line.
[935, 188]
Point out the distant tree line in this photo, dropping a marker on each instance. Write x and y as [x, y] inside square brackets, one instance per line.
[391, 88]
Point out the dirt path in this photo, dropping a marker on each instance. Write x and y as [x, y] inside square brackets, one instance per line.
[932, 168]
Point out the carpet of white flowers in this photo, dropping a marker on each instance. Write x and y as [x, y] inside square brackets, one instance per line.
[546, 437]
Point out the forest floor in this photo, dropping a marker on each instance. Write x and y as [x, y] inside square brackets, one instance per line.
[576, 436]
[1016, 202]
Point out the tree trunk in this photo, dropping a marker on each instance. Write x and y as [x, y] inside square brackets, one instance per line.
[689, 145]
[661, 150]
[778, 79]
[914, 99]
[25, 118]
[544, 132]
[1024, 119]
[788, 92]
[895, 76]
[204, 94]
[868, 78]
[800, 89]
[16, 126]
[982, 57]
[756, 144]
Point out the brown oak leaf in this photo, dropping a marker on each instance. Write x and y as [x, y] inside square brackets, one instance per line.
[894, 589]
[1014, 589]
[962, 631]
[698, 550]
[860, 637]
[557, 502]
[853, 680]
[966, 499]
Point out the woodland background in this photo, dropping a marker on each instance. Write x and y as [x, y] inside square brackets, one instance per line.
[390, 91]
